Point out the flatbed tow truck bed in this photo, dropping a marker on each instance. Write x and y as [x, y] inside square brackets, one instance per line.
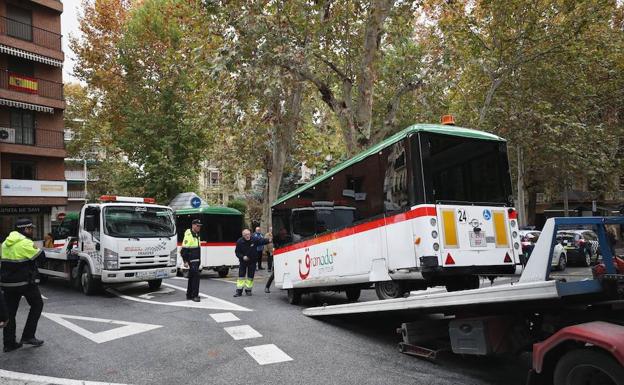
[575, 330]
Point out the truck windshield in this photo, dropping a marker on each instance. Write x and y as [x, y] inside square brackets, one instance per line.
[138, 222]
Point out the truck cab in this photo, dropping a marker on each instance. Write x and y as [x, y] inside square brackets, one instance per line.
[118, 240]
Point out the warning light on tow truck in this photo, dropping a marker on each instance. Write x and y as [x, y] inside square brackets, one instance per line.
[115, 198]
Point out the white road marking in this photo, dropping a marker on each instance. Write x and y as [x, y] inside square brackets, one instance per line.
[127, 328]
[29, 378]
[43, 296]
[182, 278]
[153, 293]
[208, 302]
[267, 354]
[224, 317]
[242, 332]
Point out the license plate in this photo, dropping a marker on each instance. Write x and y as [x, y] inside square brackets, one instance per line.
[477, 239]
[161, 274]
[145, 274]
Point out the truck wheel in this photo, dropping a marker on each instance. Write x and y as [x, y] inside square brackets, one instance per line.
[294, 296]
[75, 277]
[154, 284]
[588, 366]
[389, 290]
[89, 284]
[223, 272]
[562, 262]
[586, 258]
[353, 294]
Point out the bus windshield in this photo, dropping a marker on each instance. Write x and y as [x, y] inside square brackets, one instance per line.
[138, 222]
[460, 169]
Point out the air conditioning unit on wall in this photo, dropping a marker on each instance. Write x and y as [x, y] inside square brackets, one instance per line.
[7, 135]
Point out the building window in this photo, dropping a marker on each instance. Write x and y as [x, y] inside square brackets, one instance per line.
[214, 178]
[23, 122]
[19, 22]
[24, 170]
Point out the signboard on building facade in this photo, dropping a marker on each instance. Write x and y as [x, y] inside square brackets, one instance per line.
[33, 188]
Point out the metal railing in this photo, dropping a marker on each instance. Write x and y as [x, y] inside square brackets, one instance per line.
[78, 175]
[28, 32]
[30, 85]
[75, 194]
[31, 137]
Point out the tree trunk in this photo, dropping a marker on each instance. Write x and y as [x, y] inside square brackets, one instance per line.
[531, 206]
[282, 144]
[366, 79]
[566, 208]
[522, 212]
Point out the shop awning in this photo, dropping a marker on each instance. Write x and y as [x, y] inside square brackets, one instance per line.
[26, 106]
[30, 56]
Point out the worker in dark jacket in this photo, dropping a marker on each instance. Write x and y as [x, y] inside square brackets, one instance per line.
[247, 254]
[19, 277]
[191, 255]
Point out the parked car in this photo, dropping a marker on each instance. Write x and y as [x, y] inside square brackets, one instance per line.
[582, 246]
[528, 238]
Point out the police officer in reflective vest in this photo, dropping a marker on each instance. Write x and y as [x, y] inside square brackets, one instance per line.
[19, 277]
[191, 255]
[247, 254]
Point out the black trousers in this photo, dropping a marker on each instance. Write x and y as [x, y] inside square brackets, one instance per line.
[246, 273]
[260, 260]
[192, 288]
[270, 261]
[12, 296]
[270, 281]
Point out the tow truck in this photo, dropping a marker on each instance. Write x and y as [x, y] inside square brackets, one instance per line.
[574, 330]
[118, 240]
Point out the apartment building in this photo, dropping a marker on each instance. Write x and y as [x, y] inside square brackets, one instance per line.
[32, 149]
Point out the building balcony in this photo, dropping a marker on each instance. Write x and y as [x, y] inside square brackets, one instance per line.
[36, 142]
[56, 5]
[78, 176]
[27, 32]
[76, 195]
[31, 90]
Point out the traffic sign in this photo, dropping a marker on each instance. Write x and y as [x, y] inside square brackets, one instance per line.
[195, 202]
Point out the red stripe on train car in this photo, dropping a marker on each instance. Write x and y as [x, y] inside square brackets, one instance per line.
[427, 211]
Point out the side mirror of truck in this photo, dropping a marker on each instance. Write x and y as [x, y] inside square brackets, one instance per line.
[89, 223]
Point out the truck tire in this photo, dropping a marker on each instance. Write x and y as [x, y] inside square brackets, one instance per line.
[389, 289]
[294, 296]
[223, 272]
[90, 285]
[562, 262]
[154, 284]
[588, 366]
[353, 294]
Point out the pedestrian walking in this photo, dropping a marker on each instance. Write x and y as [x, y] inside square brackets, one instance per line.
[268, 252]
[281, 239]
[247, 254]
[19, 278]
[258, 235]
[191, 255]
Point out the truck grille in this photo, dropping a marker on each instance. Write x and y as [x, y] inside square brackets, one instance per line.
[143, 262]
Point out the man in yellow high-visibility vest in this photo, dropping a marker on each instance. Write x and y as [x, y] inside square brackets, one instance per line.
[191, 255]
[19, 277]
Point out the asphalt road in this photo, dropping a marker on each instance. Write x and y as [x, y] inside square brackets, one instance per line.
[133, 336]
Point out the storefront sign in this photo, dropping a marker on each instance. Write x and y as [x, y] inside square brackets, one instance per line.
[20, 210]
[33, 188]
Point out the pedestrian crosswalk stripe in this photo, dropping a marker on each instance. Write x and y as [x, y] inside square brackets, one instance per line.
[267, 354]
[35, 378]
[224, 317]
[242, 332]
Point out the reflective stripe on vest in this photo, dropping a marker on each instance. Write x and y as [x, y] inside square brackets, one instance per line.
[190, 241]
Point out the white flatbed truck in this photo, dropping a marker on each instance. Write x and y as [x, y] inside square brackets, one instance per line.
[575, 330]
[118, 240]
